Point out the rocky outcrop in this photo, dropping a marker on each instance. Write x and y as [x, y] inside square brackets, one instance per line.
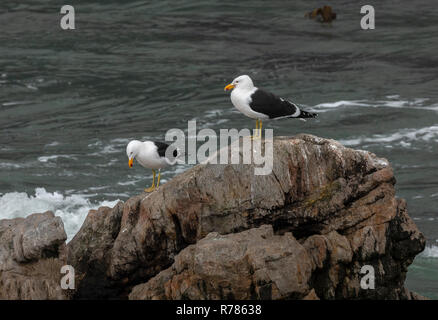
[29, 257]
[252, 264]
[90, 253]
[303, 231]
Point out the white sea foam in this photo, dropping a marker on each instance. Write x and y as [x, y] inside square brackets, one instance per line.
[129, 182]
[52, 144]
[120, 141]
[72, 209]
[214, 113]
[342, 103]
[395, 102]
[32, 87]
[14, 103]
[404, 137]
[9, 165]
[431, 251]
[103, 149]
[55, 157]
[109, 149]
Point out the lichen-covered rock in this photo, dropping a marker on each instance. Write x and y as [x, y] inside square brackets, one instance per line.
[29, 257]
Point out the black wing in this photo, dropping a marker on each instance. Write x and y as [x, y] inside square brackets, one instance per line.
[271, 105]
[275, 107]
[162, 147]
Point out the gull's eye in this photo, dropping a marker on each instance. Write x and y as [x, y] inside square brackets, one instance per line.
[237, 81]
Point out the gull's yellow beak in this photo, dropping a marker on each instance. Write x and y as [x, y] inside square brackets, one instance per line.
[131, 162]
[229, 87]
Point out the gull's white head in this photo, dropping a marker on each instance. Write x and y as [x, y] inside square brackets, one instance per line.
[241, 82]
[132, 149]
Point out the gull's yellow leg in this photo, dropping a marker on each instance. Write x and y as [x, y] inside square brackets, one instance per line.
[159, 176]
[152, 187]
[260, 129]
[257, 130]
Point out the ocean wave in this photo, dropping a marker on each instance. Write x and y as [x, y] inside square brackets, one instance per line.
[120, 141]
[215, 113]
[404, 137]
[73, 209]
[9, 165]
[15, 103]
[102, 148]
[417, 103]
[431, 251]
[56, 157]
[52, 144]
[342, 103]
[108, 149]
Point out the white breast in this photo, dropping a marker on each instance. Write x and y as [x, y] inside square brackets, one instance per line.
[241, 100]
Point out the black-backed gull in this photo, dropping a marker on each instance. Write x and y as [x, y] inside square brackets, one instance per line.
[261, 105]
[151, 155]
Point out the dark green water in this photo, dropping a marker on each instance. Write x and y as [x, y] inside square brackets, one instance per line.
[71, 100]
